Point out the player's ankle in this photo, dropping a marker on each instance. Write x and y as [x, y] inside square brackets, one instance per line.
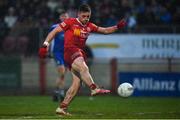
[63, 106]
[93, 86]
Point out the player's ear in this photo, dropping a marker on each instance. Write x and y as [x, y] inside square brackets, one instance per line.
[79, 14]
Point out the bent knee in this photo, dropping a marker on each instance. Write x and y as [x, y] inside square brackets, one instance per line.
[80, 66]
[61, 70]
[84, 68]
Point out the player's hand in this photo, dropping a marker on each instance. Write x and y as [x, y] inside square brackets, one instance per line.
[43, 51]
[122, 23]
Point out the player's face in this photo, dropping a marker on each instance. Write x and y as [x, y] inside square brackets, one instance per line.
[84, 17]
[64, 16]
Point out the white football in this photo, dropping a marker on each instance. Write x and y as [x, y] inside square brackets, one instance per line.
[125, 90]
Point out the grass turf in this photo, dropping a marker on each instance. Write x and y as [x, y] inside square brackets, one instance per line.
[83, 107]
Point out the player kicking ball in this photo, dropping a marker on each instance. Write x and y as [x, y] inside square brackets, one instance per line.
[76, 32]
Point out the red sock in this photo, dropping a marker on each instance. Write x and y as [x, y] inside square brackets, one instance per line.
[93, 86]
[63, 105]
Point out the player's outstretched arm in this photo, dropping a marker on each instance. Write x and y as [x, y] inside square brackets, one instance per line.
[44, 49]
[108, 30]
[51, 35]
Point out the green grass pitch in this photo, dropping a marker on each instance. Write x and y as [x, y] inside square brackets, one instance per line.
[84, 107]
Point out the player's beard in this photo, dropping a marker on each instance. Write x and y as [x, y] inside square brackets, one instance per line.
[85, 21]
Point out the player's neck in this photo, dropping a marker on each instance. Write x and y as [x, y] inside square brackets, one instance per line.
[80, 22]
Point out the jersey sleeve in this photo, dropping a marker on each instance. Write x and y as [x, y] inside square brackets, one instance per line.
[65, 24]
[93, 27]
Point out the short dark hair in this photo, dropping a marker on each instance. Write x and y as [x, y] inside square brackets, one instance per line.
[62, 12]
[84, 8]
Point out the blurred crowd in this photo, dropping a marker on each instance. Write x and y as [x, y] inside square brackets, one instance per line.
[105, 12]
[16, 16]
[137, 12]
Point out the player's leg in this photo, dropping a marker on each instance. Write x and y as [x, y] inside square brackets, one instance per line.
[69, 95]
[61, 73]
[59, 91]
[80, 66]
[60, 82]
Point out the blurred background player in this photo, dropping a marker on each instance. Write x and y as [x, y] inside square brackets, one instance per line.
[57, 51]
[77, 31]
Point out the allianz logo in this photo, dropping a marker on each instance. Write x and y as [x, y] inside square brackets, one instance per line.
[155, 85]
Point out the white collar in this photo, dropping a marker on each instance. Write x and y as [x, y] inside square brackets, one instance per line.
[80, 22]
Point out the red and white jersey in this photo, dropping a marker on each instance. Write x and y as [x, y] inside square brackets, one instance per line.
[76, 33]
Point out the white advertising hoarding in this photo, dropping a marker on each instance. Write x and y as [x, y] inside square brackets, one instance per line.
[135, 46]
